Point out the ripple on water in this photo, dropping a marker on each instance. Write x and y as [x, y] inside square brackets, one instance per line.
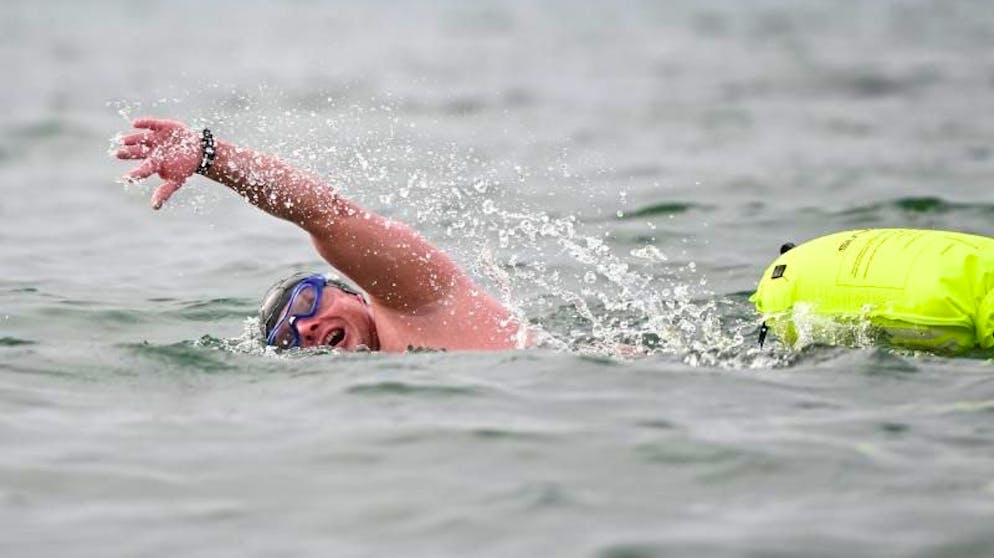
[184, 355]
[637, 550]
[213, 309]
[888, 362]
[910, 210]
[497, 433]
[675, 452]
[15, 342]
[394, 387]
[664, 208]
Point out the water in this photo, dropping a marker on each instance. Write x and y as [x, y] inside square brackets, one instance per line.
[616, 173]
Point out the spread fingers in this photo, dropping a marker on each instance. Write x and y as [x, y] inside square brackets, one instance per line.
[134, 152]
[164, 192]
[143, 171]
[140, 138]
[156, 124]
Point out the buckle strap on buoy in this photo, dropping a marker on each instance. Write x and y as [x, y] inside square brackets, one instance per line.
[763, 330]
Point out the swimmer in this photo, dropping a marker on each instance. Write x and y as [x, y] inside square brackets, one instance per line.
[416, 296]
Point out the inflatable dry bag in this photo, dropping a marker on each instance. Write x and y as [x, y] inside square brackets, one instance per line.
[920, 289]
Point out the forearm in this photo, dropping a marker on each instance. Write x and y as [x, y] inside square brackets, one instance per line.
[386, 258]
[274, 186]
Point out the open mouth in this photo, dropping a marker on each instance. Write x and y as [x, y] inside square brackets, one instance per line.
[336, 336]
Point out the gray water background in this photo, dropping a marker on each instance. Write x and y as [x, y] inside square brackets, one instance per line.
[138, 416]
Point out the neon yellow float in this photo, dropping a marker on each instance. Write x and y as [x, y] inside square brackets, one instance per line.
[921, 289]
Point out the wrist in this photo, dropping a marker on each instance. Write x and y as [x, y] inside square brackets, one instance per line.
[208, 152]
[222, 170]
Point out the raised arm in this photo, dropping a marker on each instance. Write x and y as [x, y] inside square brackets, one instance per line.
[388, 259]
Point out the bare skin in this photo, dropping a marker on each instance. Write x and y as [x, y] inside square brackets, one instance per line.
[343, 321]
[418, 295]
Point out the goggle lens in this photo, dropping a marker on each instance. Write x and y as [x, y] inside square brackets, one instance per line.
[303, 304]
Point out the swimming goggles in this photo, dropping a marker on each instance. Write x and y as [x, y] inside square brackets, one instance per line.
[304, 301]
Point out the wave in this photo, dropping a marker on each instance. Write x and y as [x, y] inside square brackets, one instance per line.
[15, 342]
[664, 208]
[213, 309]
[183, 355]
[931, 205]
[410, 388]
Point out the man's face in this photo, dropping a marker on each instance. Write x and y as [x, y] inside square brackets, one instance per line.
[342, 321]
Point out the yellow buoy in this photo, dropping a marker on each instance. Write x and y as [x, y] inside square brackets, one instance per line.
[922, 289]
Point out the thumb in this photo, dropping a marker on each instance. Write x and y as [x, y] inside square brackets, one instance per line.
[164, 192]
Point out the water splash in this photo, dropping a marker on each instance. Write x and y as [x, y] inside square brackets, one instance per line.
[812, 328]
[249, 342]
[564, 276]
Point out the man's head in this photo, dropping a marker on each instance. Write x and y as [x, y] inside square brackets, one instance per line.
[308, 310]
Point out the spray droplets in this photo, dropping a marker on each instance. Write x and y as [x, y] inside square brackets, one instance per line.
[585, 289]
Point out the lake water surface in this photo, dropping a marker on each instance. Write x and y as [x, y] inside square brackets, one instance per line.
[616, 172]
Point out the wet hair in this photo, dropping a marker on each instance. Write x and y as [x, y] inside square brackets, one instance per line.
[278, 295]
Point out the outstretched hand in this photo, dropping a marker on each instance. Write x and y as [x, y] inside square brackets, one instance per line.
[168, 148]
